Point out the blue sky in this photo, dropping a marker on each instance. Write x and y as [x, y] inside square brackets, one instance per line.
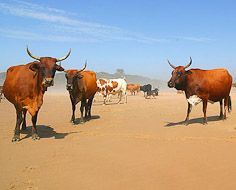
[136, 35]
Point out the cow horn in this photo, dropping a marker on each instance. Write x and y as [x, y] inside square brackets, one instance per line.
[189, 63]
[171, 65]
[63, 58]
[30, 54]
[85, 65]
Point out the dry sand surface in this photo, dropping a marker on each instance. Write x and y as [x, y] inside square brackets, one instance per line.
[141, 145]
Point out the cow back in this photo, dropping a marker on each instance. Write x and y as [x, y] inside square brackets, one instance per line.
[120, 85]
[212, 84]
[20, 85]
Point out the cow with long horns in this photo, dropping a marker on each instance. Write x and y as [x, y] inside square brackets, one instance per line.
[203, 86]
[25, 86]
[82, 87]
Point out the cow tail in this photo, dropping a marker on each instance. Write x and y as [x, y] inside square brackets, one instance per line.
[230, 104]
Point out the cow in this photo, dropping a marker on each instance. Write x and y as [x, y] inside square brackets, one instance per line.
[25, 86]
[82, 87]
[1, 93]
[202, 86]
[102, 84]
[133, 88]
[153, 93]
[112, 87]
[146, 88]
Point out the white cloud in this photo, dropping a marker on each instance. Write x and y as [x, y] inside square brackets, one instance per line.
[64, 26]
[194, 39]
[25, 35]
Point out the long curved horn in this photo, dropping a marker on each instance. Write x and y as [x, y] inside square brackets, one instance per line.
[85, 65]
[189, 63]
[63, 58]
[30, 54]
[171, 65]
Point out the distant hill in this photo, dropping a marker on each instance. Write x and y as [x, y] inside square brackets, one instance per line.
[60, 80]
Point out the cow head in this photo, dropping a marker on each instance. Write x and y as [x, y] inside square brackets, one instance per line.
[178, 78]
[47, 67]
[73, 76]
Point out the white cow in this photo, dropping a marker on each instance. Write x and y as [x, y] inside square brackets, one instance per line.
[111, 87]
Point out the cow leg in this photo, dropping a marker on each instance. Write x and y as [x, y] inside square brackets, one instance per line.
[221, 110]
[104, 100]
[86, 109]
[90, 102]
[188, 112]
[109, 97]
[204, 112]
[17, 128]
[24, 120]
[34, 129]
[226, 105]
[120, 96]
[83, 104]
[72, 120]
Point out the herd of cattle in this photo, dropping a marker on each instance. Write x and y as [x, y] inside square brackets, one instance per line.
[25, 86]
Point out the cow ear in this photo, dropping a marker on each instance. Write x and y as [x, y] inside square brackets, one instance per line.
[59, 68]
[34, 66]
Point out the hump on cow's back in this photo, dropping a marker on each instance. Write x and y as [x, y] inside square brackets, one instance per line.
[89, 73]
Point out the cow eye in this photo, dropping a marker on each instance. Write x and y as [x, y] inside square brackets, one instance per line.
[179, 73]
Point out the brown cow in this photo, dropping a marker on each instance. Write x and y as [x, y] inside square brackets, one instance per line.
[82, 86]
[133, 88]
[203, 85]
[25, 86]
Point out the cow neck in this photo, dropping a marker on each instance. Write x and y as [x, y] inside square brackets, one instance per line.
[75, 87]
[40, 88]
[185, 84]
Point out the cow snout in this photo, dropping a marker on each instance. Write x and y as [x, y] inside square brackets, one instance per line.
[69, 87]
[48, 82]
[171, 84]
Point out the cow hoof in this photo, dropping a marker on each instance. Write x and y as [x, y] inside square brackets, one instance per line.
[186, 123]
[82, 121]
[88, 118]
[16, 138]
[23, 128]
[221, 117]
[35, 137]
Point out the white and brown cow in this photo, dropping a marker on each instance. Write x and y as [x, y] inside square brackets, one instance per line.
[101, 84]
[107, 88]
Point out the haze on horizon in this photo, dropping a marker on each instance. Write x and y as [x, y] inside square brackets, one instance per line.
[137, 36]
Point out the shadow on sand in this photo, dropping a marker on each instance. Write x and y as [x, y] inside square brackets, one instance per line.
[192, 121]
[93, 117]
[44, 131]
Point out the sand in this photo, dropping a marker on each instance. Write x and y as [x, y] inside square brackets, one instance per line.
[142, 145]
